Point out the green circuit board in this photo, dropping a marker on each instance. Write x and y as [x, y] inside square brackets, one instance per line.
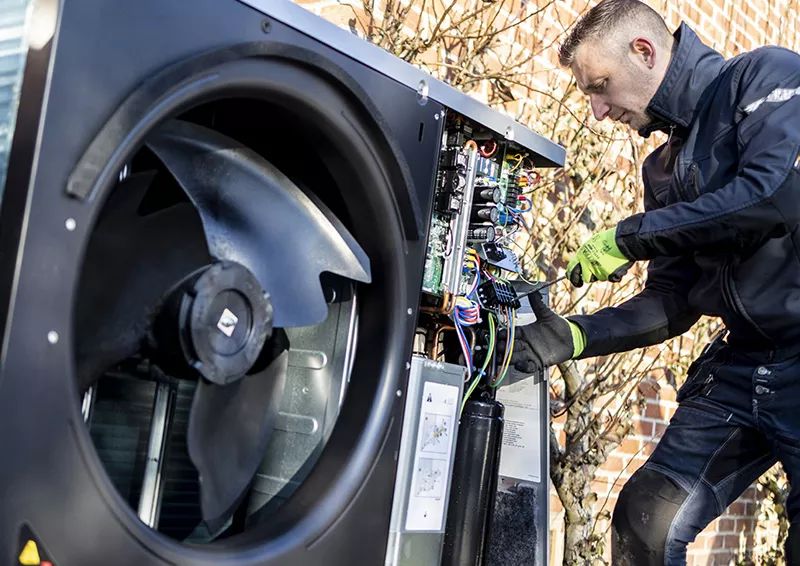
[434, 261]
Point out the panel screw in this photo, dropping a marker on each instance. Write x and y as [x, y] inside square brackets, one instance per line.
[410, 312]
[266, 26]
[422, 92]
[52, 336]
[70, 224]
[399, 393]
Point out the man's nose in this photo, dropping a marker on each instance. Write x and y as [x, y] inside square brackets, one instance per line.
[599, 108]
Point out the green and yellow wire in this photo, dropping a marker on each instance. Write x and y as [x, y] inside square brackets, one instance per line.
[479, 374]
[509, 347]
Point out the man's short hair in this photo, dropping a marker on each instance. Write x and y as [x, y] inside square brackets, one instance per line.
[608, 17]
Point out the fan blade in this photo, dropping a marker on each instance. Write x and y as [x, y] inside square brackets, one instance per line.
[131, 262]
[229, 429]
[254, 215]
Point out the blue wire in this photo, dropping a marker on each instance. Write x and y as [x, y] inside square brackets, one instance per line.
[464, 344]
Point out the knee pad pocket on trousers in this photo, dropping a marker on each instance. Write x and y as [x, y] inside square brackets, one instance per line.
[646, 507]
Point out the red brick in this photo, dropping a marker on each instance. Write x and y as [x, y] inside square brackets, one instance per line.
[654, 411]
[649, 390]
[630, 446]
[731, 541]
[613, 464]
[736, 508]
[726, 526]
[667, 393]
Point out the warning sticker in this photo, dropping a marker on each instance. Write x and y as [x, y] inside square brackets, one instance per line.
[31, 552]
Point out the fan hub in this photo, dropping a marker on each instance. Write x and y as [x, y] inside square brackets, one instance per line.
[228, 323]
[215, 323]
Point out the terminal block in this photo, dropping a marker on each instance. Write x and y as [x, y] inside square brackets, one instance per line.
[494, 294]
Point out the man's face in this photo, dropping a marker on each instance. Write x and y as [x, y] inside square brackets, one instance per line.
[620, 84]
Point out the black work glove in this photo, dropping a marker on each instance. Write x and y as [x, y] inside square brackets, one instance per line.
[549, 341]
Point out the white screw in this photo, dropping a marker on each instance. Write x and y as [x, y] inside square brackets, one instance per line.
[52, 336]
[510, 133]
[410, 311]
[399, 393]
[70, 224]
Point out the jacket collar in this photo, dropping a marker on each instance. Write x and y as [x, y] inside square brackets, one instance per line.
[691, 70]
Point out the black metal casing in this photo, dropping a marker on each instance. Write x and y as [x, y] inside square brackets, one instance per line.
[52, 481]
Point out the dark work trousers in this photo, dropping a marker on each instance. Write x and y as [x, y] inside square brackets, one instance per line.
[738, 414]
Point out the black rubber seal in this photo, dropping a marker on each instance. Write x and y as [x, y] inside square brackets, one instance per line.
[186, 83]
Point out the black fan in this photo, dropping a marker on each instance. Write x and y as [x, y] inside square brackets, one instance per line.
[201, 289]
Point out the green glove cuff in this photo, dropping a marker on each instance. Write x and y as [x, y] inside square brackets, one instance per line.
[578, 339]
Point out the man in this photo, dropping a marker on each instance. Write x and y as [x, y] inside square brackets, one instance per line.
[721, 230]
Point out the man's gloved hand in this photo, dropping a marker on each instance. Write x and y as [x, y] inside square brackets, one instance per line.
[598, 259]
[549, 341]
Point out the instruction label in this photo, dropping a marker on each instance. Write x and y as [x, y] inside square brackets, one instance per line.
[431, 473]
[521, 453]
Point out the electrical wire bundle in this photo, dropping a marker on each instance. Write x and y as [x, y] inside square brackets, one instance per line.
[466, 313]
[511, 325]
[472, 263]
[479, 374]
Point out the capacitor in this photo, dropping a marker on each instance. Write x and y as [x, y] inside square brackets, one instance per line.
[480, 234]
[485, 213]
[491, 194]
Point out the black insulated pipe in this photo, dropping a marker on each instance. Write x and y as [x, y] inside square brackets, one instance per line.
[474, 485]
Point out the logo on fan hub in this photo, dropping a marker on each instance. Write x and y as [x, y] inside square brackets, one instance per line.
[227, 322]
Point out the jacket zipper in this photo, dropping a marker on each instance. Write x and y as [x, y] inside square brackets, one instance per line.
[692, 181]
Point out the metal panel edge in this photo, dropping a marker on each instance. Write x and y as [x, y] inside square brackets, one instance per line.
[550, 154]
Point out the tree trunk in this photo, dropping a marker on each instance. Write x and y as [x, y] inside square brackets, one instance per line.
[578, 504]
[572, 476]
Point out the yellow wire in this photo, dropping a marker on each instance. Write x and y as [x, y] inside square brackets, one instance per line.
[509, 349]
[519, 157]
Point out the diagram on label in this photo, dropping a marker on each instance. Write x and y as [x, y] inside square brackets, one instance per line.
[430, 478]
[436, 433]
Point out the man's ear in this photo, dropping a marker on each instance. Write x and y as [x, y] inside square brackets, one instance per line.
[644, 50]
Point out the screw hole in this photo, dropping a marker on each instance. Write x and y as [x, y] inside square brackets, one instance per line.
[266, 26]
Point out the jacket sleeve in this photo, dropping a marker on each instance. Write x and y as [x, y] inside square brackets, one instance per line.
[763, 200]
[656, 314]
[659, 312]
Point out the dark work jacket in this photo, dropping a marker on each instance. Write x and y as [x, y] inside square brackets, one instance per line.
[722, 205]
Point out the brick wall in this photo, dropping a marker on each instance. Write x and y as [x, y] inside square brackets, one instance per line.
[729, 26]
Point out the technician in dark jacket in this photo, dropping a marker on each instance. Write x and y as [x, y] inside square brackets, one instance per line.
[721, 229]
